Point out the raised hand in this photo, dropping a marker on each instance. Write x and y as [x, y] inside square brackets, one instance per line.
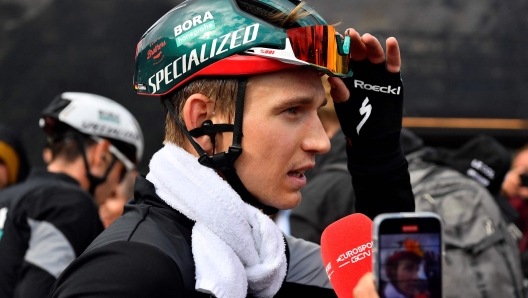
[361, 48]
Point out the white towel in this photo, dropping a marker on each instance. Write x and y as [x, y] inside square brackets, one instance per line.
[237, 250]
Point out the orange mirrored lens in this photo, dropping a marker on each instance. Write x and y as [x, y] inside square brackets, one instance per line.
[318, 45]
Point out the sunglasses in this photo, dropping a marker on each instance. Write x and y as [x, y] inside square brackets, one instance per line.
[320, 47]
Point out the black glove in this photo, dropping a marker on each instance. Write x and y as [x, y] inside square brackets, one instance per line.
[371, 119]
[375, 106]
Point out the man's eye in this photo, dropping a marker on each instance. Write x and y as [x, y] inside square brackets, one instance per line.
[291, 111]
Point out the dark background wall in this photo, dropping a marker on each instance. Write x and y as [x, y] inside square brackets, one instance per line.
[460, 58]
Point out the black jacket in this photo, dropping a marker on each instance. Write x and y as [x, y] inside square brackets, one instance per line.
[147, 253]
[48, 221]
[328, 195]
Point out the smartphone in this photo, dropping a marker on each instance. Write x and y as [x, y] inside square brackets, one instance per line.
[408, 255]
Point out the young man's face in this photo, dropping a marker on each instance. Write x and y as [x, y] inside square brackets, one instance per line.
[407, 276]
[281, 135]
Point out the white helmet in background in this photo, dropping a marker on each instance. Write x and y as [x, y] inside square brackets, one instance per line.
[98, 117]
[75, 115]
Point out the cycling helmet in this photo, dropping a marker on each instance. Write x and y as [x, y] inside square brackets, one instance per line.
[210, 38]
[74, 114]
[229, 38]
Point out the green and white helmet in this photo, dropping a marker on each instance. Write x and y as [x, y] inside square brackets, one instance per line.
[221, 38]
[230, 38]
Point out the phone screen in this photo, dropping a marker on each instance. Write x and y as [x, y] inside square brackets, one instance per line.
[410, 258]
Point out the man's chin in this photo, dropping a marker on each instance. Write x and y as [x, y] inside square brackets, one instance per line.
[290, 201]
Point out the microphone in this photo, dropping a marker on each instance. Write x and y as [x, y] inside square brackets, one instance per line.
[346, 248]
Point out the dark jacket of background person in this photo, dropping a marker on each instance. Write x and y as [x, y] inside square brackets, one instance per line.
[13, 154]
[482, 259]
[484, 160]
[50, 221]
[328, 195]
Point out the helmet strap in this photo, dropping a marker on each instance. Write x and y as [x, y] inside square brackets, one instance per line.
[223, 161]
[94, 181]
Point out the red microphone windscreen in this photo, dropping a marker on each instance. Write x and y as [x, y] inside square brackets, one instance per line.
[346, 247]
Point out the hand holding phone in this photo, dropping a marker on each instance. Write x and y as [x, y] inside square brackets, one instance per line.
[408, 250]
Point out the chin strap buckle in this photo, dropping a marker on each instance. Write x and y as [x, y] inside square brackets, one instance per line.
[221, 161]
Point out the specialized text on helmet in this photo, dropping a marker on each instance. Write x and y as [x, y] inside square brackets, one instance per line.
[197, 56]
[110, 131]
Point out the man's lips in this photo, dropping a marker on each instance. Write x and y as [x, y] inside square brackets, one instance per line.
[299, 172]
[296, 174]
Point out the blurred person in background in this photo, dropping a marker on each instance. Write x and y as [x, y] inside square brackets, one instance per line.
[113, 206]
[486, 161]
[52, 217]
[459, 185]
[515, 187]
[14, 164]
[46, 152]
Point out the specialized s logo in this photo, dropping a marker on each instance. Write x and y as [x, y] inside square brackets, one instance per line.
[365, 109]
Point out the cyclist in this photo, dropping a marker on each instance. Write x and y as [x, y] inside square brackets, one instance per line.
[241, 84]
[50, 218]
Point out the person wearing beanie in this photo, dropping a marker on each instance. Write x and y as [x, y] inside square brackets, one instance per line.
[14, 165]
[461, 187]
[486, 161]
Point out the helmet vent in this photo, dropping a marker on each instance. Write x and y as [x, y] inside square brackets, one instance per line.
[258, 9]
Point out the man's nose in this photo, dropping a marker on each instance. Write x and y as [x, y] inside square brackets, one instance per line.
[317, 140]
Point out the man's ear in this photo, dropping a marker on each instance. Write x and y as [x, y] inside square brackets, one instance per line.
[196, 110]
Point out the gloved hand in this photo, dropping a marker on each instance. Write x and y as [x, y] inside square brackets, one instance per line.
[375, 157]
[374, 105]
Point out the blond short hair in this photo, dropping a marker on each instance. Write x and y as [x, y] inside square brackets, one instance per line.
[221, 91]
